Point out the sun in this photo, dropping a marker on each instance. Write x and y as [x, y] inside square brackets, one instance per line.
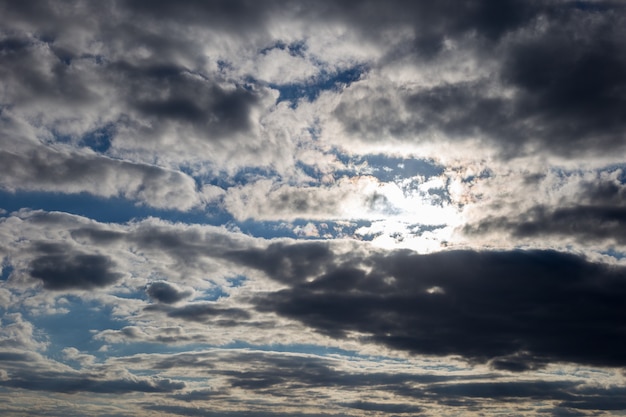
[408, 213]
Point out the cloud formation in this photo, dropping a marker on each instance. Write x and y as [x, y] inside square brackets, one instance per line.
[60, 270]
[517, 310]
[355, 208]
[167, 293]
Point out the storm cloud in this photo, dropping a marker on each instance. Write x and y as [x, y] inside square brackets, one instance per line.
[592, 211]
[165, 292]
[204, 312]
[82, 383]
[517, 310]
[60, 269]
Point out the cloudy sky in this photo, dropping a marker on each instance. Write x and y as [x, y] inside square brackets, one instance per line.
[312, 208]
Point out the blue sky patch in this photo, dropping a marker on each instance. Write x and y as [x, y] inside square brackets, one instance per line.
[322, 82]
[74, 328]
[107, 210]
[100, 139]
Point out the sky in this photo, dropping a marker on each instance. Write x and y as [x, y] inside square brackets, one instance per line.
[312, 208]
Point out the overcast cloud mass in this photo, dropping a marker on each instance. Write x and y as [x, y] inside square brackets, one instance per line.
[312, 208]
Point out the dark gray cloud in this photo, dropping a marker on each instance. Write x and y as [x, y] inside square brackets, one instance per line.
[62, 268]
[570, 85]
[384, 407]
[458, 110]
[595, 212]
[83, 382]
[207, 412]
[432, 22]
[598, 398]
[518, 309]
[583, 223]
[235, 16]
[287, 263]
[537, 390]
[275, 373]
[97, 235]
[569, 396]
[204, 312]
[16, 357]
[568, 80]
[164, 292]
[166, 93]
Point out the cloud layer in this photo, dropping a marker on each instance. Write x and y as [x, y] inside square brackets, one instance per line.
[355, 208]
